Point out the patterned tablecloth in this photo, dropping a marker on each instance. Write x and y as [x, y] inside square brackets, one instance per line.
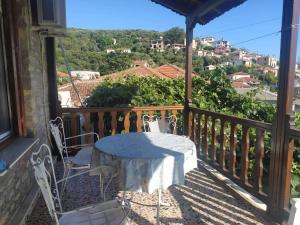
[147, 161]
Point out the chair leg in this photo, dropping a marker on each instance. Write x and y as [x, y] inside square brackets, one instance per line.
[108, 183]
[66, 175]
[101, 185]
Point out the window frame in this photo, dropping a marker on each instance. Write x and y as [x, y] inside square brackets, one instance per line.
[10, 132]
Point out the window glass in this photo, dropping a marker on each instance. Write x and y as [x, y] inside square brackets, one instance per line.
[5, 115]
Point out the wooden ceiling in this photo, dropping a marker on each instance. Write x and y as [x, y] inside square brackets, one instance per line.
[202, 11]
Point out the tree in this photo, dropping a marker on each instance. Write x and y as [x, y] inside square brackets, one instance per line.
[174, 35]
[114, 62]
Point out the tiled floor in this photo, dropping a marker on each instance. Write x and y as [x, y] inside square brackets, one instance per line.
[202, 200]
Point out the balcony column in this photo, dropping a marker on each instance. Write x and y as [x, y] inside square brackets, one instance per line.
[282, 146]
[190, 24]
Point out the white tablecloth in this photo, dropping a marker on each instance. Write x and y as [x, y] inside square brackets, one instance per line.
[147, 161]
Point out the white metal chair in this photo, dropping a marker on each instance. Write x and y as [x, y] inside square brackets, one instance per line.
[155, 124]
[82, 160]
[112, 212]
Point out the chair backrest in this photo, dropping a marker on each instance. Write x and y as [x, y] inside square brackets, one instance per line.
[155, 124]
[171, 125]
[44, 173]
[151, 123]
[58, 132]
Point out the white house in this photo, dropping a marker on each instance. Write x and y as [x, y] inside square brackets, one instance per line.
[267, 61]
[207, 41]
[65, 99]
[85, 75]
[221, 44]
[239, 75]
[238, 55]
[158, 45]
[122, 50]
[210, 67]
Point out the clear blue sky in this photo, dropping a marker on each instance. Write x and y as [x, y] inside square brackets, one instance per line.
[144, 14]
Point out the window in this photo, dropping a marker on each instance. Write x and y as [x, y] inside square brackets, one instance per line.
[5, 104]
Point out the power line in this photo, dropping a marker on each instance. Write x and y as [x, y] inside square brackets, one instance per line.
[259, 37]
[267, 35]
[243, 26]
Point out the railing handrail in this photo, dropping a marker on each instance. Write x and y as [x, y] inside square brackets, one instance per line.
[237, 120]
[121, 109]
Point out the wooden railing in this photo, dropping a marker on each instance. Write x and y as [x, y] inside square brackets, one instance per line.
[234, 146]
[238, 148]
[110, 121]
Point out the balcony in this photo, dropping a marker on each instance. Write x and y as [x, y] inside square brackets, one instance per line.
[223, 143]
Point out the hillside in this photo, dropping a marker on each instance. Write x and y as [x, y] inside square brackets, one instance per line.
[87, 50]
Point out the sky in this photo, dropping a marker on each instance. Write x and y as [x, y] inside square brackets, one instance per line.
[250, 20]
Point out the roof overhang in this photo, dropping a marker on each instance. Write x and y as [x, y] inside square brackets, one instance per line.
[201, 11]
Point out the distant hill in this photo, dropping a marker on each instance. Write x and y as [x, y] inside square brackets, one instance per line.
[86, 49]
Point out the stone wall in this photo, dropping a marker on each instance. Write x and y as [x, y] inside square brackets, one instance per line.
[18, 184]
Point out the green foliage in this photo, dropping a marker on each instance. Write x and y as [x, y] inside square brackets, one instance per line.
[114, 62]
[62, 80]
[174, 35]
[211, 91]
[208, 48]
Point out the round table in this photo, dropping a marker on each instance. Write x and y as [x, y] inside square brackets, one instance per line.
[147, 161]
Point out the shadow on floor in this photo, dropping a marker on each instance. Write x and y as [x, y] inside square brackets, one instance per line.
[202, 200]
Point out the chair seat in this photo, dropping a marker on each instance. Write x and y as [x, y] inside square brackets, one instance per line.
[107, 213]
[83, 157]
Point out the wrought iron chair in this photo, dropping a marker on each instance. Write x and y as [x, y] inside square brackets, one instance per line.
[82, 160]
[112, 212]
[155, 124]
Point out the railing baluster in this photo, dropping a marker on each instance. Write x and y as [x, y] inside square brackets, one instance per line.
[190, 124]
[214, 140]
[113, 122]
[194, 127]
[233, 141]
[151, 113]
[87, 127]
[258, 172]
[174, 112]
[223, 145]
[199, 130]
[101, 124]
[205, 139]
[139, 121]
[245, 152]
[126, 121]
[163, 118]
[74, 141]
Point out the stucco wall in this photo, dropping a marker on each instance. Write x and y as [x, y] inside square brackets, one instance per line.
[18, 182]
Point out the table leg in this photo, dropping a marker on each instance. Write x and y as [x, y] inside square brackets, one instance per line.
[158, 207]
[160, 203]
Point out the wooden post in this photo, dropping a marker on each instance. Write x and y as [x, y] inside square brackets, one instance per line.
[190, 24]
[282, 147]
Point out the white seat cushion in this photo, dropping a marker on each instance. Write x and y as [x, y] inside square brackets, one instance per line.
[83, 157]
[107, 213]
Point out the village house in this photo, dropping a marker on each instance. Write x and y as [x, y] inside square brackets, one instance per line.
[267, 61]
[158, 45]
[207, 41]
[210, 67]
[84, 75]
[222, 44]
[120, 50]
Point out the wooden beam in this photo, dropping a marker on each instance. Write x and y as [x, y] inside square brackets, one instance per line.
[202, 9]
[282, 146]
[190, 24]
